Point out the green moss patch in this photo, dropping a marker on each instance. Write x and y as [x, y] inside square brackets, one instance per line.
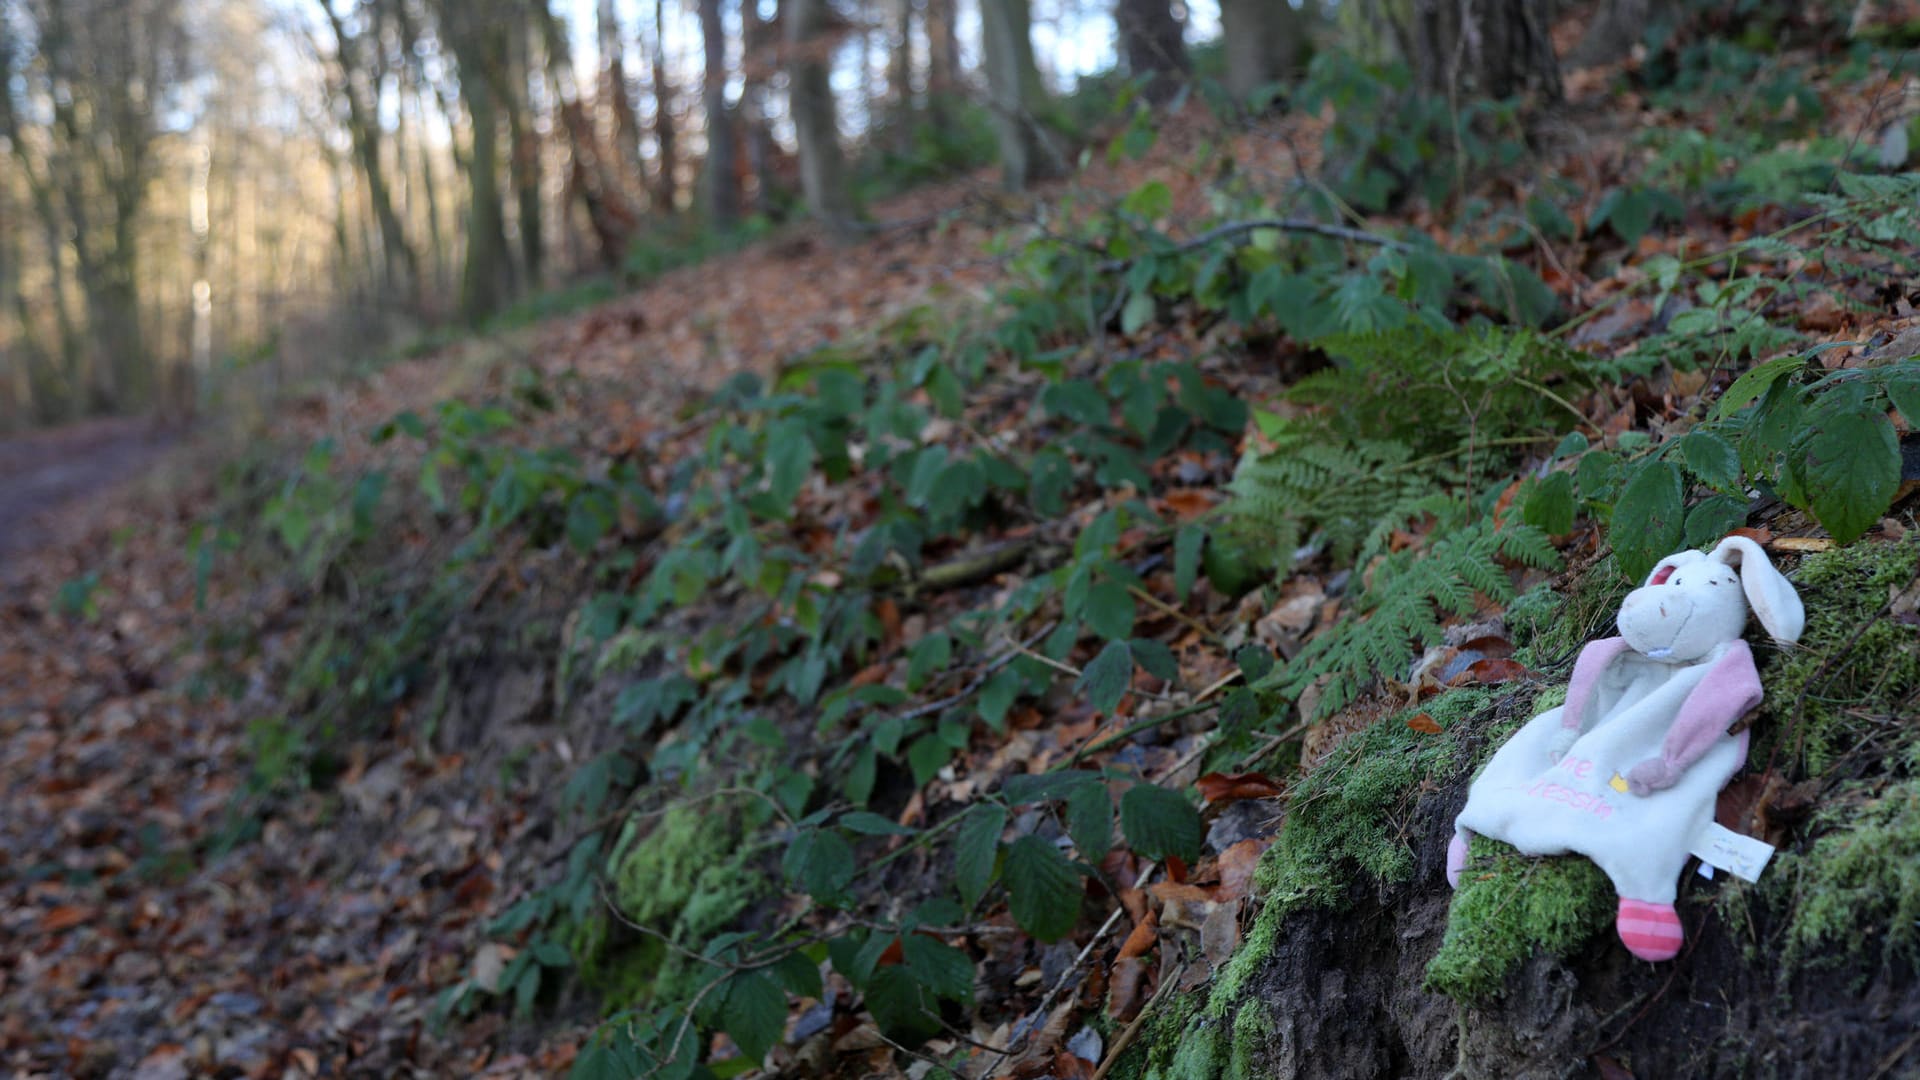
[1854, 670]
[691, 878]
[1510, 906]
[1858, 885]
[1348, 820]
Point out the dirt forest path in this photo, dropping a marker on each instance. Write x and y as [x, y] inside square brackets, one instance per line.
[43, 471]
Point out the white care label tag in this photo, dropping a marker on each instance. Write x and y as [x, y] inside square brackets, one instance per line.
[1741, 856]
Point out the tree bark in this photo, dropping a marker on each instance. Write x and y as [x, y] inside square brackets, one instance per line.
[823, 170]
[402, 266]
[1262, 40]
[722, 194]
[1484, 49]
[943, 58]
[523, 166]
[1154, 45]
[1016, 95]
[665, 183]
[624, 125]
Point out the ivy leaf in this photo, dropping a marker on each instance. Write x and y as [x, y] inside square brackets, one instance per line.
[1187, 545]
[997, 696]
[1110, 610]
[755, 1015]
[939, 967]
[926, 756]
[1712, 459]
[1160, 822]
[1138, 313]
[1155, 658]
[1903, 390]
[1850, 472]
[871, 824]
[1043, 888]
[1549, 506]
[789, 458]
[1630, 210]
[1090, 820]
[1027, 788]
[901, 1005]
[1106, 680]
[974, 849]
[821, 862]
[1649, 521]
[1713, 518]
[929, 655]
[800, 975]
[1755, 382]
[1047, 484]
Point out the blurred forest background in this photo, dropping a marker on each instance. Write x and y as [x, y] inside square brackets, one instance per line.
[199, 193]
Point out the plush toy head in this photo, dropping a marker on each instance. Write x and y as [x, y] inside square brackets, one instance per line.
[1693, 602]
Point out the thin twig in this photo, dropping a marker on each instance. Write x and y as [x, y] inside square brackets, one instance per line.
[1132, 1030]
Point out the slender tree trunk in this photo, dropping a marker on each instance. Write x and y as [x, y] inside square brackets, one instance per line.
[823, 171]
[666, 182]
[1484, 48]
[758, 63]
[1262, 40]
[1154, 44]
[591, 178]
[722, 194]
[1017, 97]
[623, 124]
[402, 265]
[900, 95]
[524, 161]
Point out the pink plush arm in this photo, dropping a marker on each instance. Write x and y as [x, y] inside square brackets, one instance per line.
[1728, 691]
[1586, 676]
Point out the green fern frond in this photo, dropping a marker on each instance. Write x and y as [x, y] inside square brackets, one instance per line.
[1401, 610]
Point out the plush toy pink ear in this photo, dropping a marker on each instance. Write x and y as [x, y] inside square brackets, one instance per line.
[1768, 590]
[1664, 569]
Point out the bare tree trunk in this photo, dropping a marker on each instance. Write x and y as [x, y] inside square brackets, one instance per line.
[757, 65]
[524, 162]
[665, 184]
[943, 57]
[624, 125]
[591, 178]
[480, 50]
[823, 171]
[402, 265]
[722, 194]
[1262, 40]
[1484, 48]
[1017, 97]
[1154, 44]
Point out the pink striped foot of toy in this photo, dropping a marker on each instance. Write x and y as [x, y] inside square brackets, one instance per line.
[1649, 931]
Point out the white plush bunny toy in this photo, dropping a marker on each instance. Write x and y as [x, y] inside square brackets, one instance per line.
[1626, 771]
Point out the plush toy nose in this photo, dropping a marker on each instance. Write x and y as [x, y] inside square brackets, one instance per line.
[1651, 618]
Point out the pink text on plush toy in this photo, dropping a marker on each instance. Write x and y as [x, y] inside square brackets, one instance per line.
[1579, 800]
[1579, 767]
